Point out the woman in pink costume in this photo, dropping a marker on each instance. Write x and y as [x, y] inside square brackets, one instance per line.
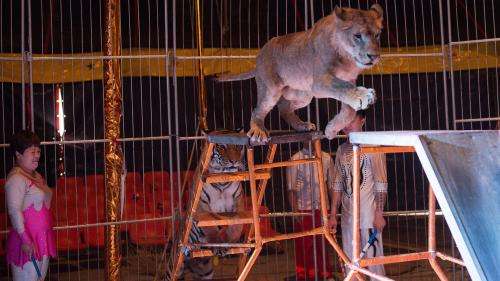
[28, 204]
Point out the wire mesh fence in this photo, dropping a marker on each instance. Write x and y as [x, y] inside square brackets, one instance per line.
[439, 71]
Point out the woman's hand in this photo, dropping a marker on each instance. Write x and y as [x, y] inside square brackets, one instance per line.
[333, 222]
[28, 249]
[379, 221]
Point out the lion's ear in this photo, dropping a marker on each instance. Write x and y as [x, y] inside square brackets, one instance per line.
[378, 9]
[344, 20]
[339, 12]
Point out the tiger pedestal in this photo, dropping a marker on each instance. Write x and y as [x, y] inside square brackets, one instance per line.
[257, 175]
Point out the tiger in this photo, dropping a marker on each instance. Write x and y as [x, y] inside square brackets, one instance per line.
[226, 197]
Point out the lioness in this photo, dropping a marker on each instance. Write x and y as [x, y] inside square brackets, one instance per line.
[322, 62]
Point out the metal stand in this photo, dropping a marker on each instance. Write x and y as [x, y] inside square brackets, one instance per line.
[358, 265]
[257, 175]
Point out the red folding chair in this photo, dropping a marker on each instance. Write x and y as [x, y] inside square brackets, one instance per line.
[137, 207]
[3, 204]
[66, 212]
[158, 192]
[266, 229]
[3, 237]
[95, 201]
[184, 175]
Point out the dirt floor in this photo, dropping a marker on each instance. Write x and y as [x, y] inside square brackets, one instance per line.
[274, 264]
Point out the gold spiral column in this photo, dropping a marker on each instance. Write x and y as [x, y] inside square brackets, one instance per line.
[113, 157]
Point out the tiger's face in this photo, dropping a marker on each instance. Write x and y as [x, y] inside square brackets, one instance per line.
[227, 158]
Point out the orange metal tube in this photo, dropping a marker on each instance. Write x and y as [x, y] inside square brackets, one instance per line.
[256, 220]
[452, 259]
[439, 271]
[196, 199]
[254, 195]
[315, 231]
[285, 163]
[337, 248]
[263, 183]
[432, 221]
[368, 273]
[386, 149]
[321, 180]
[394, 259]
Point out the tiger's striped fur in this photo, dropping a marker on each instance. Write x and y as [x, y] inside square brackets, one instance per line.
[216, 198]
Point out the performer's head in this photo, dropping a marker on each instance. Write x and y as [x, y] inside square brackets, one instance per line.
[356, 125]
[308, 145]
[25, 145]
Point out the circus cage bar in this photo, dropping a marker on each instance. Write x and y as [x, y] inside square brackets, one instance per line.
[439, 71]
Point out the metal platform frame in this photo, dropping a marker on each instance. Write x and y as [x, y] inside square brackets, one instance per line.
[403, 142]
[260, 173]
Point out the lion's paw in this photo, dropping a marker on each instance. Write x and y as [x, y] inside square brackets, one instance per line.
[257, 134]
[362, 97]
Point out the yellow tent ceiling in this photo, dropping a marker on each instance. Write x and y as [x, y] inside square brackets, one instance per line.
[65, 68]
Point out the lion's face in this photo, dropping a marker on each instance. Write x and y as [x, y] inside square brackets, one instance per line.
[358, 34]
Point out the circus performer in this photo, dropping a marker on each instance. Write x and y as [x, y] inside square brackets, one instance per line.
[30, 242]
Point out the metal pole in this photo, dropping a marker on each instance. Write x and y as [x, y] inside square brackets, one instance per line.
[202, 97]
[432, 222]
[113, 154]
[443, 50]
[475, 41]
[477, 119]
[450, 59]
[167, 55]
[432, 237]
[30, 69]
[23, 101]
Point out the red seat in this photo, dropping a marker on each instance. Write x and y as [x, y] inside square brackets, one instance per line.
[3, 204]
[69, 240]
[148, 233]
[67, 202]
[266, 229]
[94, 202]
[158, 193]
[3, 237]
[185, 175]
[137, 207]
[94, 236]
[66, 208]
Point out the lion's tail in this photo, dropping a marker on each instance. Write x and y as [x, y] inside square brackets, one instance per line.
[235, 77]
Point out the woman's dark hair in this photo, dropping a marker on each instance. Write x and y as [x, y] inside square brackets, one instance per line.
[22, 140]
[361, 113]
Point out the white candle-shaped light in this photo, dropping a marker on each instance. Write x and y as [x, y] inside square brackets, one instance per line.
[60, 113]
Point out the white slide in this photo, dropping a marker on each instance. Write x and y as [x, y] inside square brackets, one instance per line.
[463, 167]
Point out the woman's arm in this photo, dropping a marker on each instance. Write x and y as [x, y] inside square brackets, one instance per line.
[15, 189]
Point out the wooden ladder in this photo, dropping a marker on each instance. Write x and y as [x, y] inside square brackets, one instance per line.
[260, 173]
